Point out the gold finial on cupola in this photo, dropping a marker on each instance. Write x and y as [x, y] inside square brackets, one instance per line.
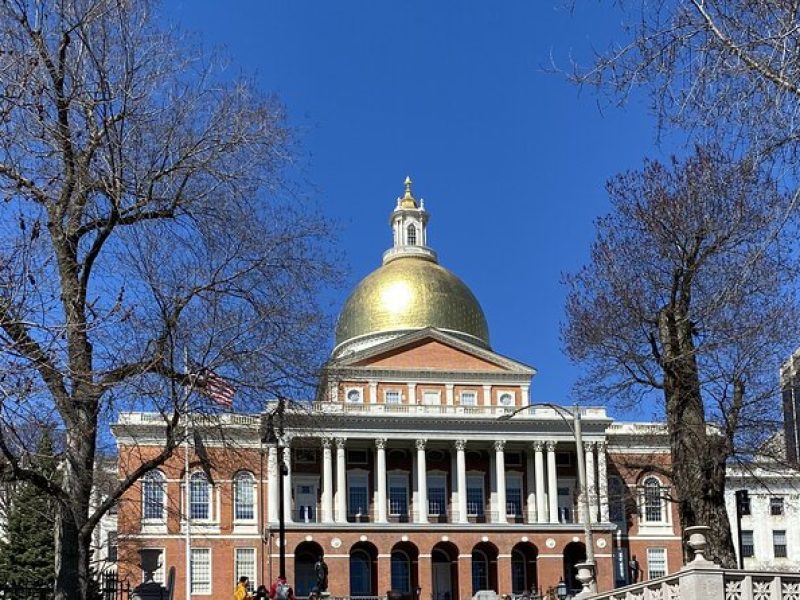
[408, 200]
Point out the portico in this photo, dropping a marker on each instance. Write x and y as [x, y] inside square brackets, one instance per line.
[441, 479]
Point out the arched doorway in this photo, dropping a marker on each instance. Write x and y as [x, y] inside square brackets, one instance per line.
[574, 553]
[484, 567]
[524, 574]
[305, 555]
[404, 569]
[363, 570]
[444, 571]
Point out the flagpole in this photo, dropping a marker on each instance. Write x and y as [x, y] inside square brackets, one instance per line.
[187, 493]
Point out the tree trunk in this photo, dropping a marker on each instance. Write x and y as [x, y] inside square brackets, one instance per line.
[72, 559]
[698, 459]
[73, 542]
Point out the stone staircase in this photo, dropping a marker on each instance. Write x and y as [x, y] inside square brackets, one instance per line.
[702, 579]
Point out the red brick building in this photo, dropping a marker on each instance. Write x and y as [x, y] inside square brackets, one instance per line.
[401, 474]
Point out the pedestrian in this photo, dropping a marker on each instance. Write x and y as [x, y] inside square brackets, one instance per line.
[261, 593]
[241, 590]
[281, 590]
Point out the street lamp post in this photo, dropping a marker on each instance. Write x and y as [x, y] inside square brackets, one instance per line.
[269, 436]
[575, 428]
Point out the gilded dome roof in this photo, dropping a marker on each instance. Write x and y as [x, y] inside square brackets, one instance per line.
[410, 293]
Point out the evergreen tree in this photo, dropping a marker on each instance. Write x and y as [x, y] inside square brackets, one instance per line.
[27, 555]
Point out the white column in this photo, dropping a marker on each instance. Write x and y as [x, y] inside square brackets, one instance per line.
[422, 483]
[529, 478]
[341, 482]
[287, 484]
[412, 393]
[380, 473]
[500, 466]
[541, 507]
[552, 482]
[525, 395]
[272, 484]
[591, 481]
[602, 478]
[327, 481]
[461, 476]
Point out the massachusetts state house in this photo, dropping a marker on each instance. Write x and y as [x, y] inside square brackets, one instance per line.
[401, 473]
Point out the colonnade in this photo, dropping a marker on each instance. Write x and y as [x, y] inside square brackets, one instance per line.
[540, 501]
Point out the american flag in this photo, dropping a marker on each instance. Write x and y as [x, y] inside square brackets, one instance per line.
[216, 388]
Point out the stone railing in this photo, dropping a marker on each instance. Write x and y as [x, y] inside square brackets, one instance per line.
[702, 579]
[537, 412]
[154, 418]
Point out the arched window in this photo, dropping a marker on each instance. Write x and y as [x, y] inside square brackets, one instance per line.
[153, 496]
[616, 500]
[401, 572]
[411, 236]
[480, 571]
[199, 497]
[244, 497]
[653, 501]
[361, 573]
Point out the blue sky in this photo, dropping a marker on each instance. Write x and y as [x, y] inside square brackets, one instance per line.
[510, 158]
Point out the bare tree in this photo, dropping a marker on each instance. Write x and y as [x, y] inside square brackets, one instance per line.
[689, 295]
[135, 174]
[724, 70]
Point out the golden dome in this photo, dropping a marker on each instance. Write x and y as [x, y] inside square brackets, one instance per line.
[410, 293]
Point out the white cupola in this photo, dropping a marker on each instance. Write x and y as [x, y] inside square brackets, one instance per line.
[409, 221]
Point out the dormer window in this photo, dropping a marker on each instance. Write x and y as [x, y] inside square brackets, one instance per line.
[411, 236]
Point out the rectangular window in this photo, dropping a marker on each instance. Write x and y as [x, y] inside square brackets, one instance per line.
[430, 398]
[437, 496]
[469, 398]
[513, 499]
[776, 506]
[357, 495]
[564, 504]
[779, 543]
[398, 495]
[245, 566]
[111, 544]
[475, 497]
[201, 570]
[748, 547]
[391, 397]
[656, 562]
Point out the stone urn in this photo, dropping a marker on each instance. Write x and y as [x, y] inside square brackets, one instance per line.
[149, 561]
[697, 540]
[585, 576]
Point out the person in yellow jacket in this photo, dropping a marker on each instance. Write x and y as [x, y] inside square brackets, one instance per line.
[241, 590]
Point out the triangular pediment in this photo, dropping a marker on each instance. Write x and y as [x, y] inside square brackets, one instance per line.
[431, 349]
